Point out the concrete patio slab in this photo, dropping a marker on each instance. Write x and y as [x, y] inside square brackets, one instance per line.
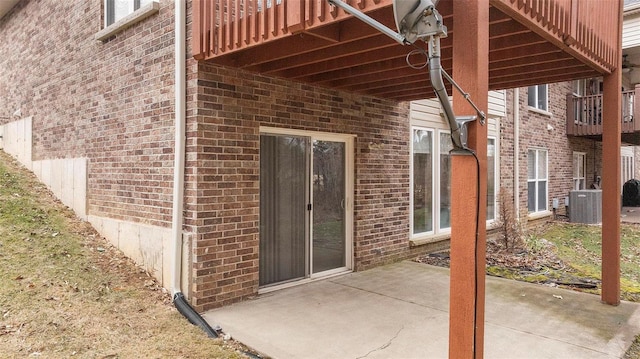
[630, 215]
[401, 311]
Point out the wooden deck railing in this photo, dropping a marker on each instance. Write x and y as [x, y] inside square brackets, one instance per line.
[586, 28]
[584, 114]
[581, 27]
[224, 26]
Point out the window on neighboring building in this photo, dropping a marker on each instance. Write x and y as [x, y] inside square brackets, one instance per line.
[269, 2]
[432, 181]
[491, 179]
[537, 180]
[580, 87]
[579, 170]
[538, 97]
[117, 9]
[626, 164]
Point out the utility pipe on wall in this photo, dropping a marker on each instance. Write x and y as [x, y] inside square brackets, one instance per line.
[516, 152]
[179, 144]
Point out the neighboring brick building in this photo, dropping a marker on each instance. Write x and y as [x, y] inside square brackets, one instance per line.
[90, 108]
[572, 162]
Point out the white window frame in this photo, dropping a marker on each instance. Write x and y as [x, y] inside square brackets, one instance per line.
[582, 157]
[438, 194]
[496, 179]
[142, 12]
[535, 106]
[438, 231]
[436, 174]
[349, 202]
[537, 179]
[110, 10]
[434, 143]
[580, 87]
[427, 115]
[627, 161]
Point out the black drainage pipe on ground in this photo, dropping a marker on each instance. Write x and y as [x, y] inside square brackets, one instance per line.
[194, 318]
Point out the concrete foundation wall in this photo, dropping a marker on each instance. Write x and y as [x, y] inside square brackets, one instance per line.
[67, 179]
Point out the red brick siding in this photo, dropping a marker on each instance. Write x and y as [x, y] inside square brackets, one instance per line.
[111, 102]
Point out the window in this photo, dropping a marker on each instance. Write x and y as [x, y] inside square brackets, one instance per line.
[446, 145]
[431, 181]
[538, 97]
[117, 9]
[579, 170]
[121, 14]
[537, 180]
[580, 87]
[431, 175]
[422, 181]
[269, 2]
[626, 164]
[491, 179]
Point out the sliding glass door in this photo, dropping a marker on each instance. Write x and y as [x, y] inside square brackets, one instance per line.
[304, 213]
[328, 230]
[283, 207]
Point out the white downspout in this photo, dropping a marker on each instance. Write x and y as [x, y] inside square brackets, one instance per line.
[180, 78]
[179, 145]
[516, 152]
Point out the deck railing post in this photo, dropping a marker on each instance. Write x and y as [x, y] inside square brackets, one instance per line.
[636, 109]
[571, 115]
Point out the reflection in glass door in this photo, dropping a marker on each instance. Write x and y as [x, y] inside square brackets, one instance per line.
[283, 207]
[328, 230]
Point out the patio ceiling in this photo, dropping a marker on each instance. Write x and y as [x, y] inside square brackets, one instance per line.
[348, 55]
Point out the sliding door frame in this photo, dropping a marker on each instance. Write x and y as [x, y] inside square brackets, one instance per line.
[349, 141]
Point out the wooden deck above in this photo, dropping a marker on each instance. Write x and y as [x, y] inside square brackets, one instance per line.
[530, 42]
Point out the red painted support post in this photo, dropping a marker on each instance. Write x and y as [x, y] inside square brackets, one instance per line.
[612, 126]
[468, 242]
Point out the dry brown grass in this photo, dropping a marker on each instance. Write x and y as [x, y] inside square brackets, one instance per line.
[67, 293]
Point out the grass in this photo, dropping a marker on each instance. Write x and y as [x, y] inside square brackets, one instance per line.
[67, 293]
[580, 248]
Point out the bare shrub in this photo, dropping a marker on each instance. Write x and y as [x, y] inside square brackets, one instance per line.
[512, 231]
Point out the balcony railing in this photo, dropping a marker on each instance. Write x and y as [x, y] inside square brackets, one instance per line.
[225, 26]
[584, 29]
[587, 28]
[584, 114]
[530, 42]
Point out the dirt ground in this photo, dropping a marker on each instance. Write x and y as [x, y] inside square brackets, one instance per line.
[541, 265]
[66, 292]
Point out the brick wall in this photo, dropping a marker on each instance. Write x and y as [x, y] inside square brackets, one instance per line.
[224, 147]
[111, 102]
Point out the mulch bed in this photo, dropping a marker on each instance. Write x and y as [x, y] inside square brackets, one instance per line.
[541, 265]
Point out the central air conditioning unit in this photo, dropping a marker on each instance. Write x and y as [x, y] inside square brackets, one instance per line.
[585, 206]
